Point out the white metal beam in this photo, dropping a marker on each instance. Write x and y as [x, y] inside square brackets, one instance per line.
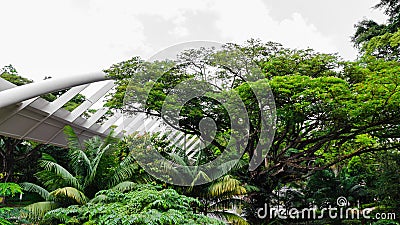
[32, 90]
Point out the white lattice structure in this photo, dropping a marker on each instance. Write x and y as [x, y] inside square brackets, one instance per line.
[25, 115]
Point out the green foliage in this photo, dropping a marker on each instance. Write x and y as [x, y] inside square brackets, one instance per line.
[226, 187]
[328, 111]
[337, 118]
[29, 187]
[222, 195]
[71, 104]
[143, 205]
[380, 40]
[85, 162]
[69, 193]
[74, 102]
[385, 46]
[10, 216]
[90, 170]
[366, 30]
[387, 186]
[218, 196]
[385, 222]
[36, 211]
[10, 74]
[121, 72]
[10, 189]
[17, 155]
[299, 62]
[391, 7]
[324, 187]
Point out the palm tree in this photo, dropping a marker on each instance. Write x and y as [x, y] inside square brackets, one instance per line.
[220, 197]
[223, 197]
[88, 173]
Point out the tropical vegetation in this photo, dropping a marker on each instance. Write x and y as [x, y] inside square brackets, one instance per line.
[334, 134]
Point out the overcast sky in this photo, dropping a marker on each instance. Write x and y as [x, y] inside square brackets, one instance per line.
[60, 38]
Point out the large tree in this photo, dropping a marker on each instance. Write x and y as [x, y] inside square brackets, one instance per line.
[327, 110]
[323, 104]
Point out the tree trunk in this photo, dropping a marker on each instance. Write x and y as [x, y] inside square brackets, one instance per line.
[10, 157]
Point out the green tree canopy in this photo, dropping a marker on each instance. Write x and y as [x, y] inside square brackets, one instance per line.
[323, 105]
[380, 40]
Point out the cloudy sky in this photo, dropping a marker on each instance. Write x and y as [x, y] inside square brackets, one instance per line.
[69, 37]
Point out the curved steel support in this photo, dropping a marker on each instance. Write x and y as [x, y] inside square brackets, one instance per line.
[21, 93]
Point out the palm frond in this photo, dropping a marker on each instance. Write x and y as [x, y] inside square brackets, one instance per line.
[170, 167]
[93, 145]
[5, 222]
[72, 138]
[200, 177]
[251, 188]
[94, 165]
[225, 204]
[99, 199]
[30, 187]
[61, 171]
[110, 139]
[178, 159]
[71, 193]
[80, 162]
[37, 210]
[48, 157]
[50, 180]
[225, 167]
[125, 186]
[229, 217]
[125, 170]
[226, 187]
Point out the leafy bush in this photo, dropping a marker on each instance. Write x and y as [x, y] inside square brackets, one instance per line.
[145, 205]
[9, 189]
[9, 216]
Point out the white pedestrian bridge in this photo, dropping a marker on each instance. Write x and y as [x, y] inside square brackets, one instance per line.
[25, 115]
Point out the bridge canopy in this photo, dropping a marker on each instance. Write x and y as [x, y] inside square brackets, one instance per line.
[26, 115]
